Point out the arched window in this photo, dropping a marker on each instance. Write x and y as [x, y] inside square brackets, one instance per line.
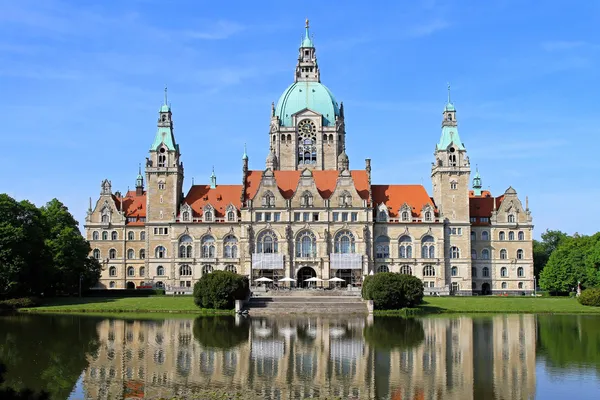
[454, 252]
[520, 254]
[306, 244]
[382, 216]
[185, 247]
[207, 269]
[104, 235]
[344, 242]
[485, 272]
[501, 236]
[404, 216]
[160, 270]
[453, 185]
[160, 252]
[208, 247]
[511, 218]
[112, 271]
[521, 235]
[485, 235]
[186, 216]
[454, 271]
[130, 254]
[112, 284]
[406, 270]
[95, 235]
[383, 268]
[427, 247]
[97, 254]
[112, 254]
[485, 254]
[428, 216]
[185, 270]
[142, 254]
[161, 185]
[162, 159]
[520, 272]
[405, 247]
[511, 235]
[130, 271]
[503, 272]
[266, 242]
[473, 236]
[504, 285]
[208, 216]
[428, 270]
[231, 216]
[382, 247]
[230, 247]
[142, 271]
[520, 285]
[345, 199]
[268, 199]
[307, 142]
[473, 254]
[452, 159]
[307, 199]
[130, 235]
[105, 218]
[114, 235]
[503, 254]
[231, 268]
[142, 235]
[474, 272]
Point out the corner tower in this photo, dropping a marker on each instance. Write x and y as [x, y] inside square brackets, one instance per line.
[307, 126]
[164, 171]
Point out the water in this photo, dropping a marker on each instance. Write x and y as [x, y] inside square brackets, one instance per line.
[496, 357]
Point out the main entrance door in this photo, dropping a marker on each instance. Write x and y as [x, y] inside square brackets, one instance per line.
[305, 273]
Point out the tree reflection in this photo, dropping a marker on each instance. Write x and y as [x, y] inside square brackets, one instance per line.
[394, 333]
[221, 332]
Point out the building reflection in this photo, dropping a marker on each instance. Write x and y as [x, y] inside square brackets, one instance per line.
[299, 357]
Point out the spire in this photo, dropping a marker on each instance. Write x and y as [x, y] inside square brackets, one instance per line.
[245, 155]
[449, 128]
[166, 107]
[449, 106]
[307, 69]
[164, 134]
[213, 179]
[139, 182]
[307, 41]
[477, 183]
[90, 207]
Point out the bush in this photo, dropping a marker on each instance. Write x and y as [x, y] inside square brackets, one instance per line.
[590, 297]
[221, 332]
[391, 291]
[220, 289]
[394, 333]
[14, 304]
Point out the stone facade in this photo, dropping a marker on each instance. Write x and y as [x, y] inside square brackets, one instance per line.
[308, 214]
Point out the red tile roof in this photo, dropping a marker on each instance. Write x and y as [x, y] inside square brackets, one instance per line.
[482, 206]
[133, 206]
[287, 182]
[219, 198]
[394, 196]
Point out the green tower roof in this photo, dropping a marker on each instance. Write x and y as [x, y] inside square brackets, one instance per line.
[307, 42]
[311, 95]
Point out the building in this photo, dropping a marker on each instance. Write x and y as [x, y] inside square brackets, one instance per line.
[308, 214]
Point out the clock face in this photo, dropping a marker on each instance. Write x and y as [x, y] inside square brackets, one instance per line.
[306, 127]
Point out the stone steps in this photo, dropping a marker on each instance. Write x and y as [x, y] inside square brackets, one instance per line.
[321, 304]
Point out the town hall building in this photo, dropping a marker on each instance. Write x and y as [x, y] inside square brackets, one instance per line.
[308, 214]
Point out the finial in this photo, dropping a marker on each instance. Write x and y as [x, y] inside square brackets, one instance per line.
[192, 181]
[139, 168]
[448, 92]
[306, 23]
[245, 155]
[272, 109]
[90, 209]
[213, 179]
[166, 103]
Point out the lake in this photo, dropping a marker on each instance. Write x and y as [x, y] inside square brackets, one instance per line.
[292, 357]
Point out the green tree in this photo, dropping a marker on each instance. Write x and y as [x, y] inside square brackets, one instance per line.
[221, 332]
[391, 291]
[23, 257]
[394, 333]
[220, 289]
[543, 249]
[69, 250]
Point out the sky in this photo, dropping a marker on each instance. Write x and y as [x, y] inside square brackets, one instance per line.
[81, 83]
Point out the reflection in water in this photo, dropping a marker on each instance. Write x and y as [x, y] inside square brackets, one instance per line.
[298, 357]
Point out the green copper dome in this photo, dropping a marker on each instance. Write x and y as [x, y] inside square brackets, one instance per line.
[312, 95]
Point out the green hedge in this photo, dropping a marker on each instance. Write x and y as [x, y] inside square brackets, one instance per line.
[590, 297]
[14, 304]
[220, 290]
[391, 291]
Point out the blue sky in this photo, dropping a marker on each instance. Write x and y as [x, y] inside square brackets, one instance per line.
[81, 83]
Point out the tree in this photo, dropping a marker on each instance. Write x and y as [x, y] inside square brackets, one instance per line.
[220, 289]
[391, 291]
[69, 250]
[542, 250]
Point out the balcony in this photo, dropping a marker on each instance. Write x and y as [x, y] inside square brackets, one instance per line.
[267, 261]
[345, 261]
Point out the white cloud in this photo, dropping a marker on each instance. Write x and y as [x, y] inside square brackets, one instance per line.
[428, 28]
[219, 30]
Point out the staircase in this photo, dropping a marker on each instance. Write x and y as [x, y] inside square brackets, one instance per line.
[306, 305]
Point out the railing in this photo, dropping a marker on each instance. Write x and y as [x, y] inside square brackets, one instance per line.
[267, 261]
[345, 261]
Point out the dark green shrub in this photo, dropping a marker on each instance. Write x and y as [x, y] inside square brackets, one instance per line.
[221, 332]
[14, 304]
[220, 289]
[590, 297]
[391, 291]
[394, 333]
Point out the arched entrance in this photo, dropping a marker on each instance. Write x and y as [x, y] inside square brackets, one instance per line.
[305, 273]
[346, 275]
[130, 285]
[485, 289]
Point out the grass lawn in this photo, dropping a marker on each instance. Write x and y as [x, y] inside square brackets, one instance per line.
[496, 304]
[151, 304]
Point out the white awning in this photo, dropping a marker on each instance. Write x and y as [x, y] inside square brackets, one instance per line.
[345, 261]
[267, 261]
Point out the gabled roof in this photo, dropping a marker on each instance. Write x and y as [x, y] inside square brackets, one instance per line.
[326, 181]
[394, 196]
[219, 197]
[482, 206]
[133, 206]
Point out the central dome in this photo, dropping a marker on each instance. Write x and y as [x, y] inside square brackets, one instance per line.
[311, 95]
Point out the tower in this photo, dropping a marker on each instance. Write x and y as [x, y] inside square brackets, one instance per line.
[139, 182]
[477, 183]
[307, 125]
[164, 171]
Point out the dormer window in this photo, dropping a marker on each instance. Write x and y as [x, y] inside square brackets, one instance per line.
[511, 218]
[185, 216]
[306, 200]
[231, 216]
[428, 216]
[382, 217]
[208, 216]
[405, 216]
[345, 199]
[268, 199]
